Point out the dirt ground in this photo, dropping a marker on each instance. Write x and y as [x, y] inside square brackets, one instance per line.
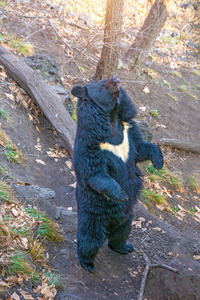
[166, 237]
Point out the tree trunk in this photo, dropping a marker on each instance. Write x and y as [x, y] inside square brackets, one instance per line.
[145, 39]
[33, 83]
[108, 64]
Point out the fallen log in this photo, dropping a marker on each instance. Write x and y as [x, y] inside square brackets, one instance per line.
[180, 145]
[33, 83]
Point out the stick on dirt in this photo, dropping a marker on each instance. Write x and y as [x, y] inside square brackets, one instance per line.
[148, 267]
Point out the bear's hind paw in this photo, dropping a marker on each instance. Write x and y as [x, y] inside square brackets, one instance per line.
[89, 267]
[126, 249]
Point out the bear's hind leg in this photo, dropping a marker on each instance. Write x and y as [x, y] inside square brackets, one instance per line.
[89, 241]
[117, 240]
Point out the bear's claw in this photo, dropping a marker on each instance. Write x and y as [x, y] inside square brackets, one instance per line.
[89, 267]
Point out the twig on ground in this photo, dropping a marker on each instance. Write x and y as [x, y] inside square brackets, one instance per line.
[148, 267]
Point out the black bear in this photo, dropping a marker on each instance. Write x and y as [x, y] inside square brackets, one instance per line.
[107, 147]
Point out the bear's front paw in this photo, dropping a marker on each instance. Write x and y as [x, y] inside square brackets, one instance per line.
[88, 266]
[157, 159]
[123, 197]
[118, 198]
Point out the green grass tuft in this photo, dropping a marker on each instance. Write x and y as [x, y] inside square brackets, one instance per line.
[196, 72]
[56, 279]
[19, 263]
[177, 73]
[6, 194]
[172, 97]
[13, 155]
[35, 278]
[22, 47]
[174, 209]
[3, 113]
[183, 88]
[170, 40]
[46, 228]
[166, 83]
[194, 184]
[151, 198]
[154, 112]
[164, 175]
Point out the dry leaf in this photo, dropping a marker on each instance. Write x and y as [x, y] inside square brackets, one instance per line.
[196, 257]
[23, 102]
[2, 144]
[73, 173]
[197, 208]
[10, 96]
[3, 284]
[30, 117]
[73, 185]
[14, 296]
[143, 108]
[37, 128]
[12, 87]
[3, 74]
[38, 147]
[26, 295]
[146, 90]
[24, 242]
[181, 213]
[160, 207]
[39, 161]
[197, 214]
[69, 164]
[48, 291]
[137, 224]
[15, 212]
[157, 229]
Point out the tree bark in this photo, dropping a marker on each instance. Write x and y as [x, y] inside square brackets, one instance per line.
[145, 39]
[108, 64]
[33, 83]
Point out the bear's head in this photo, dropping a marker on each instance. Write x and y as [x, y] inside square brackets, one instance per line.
[104, 93]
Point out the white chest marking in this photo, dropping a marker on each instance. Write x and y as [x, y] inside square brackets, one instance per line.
[121, 150]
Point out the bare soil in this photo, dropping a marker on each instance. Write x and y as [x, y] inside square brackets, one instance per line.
[165, 237]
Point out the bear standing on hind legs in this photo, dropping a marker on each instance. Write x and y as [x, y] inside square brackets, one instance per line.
[108, 145]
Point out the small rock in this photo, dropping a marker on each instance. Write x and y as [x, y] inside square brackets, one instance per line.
[34, 192]
[174, 34]
[68, 213]
[58, 213]
[64, 253]
[193, 45]
[87, 20]
[185, 5]
[47, 66]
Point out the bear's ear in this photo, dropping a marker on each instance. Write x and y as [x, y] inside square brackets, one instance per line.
[78, 91]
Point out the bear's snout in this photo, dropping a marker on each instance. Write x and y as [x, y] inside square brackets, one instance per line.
[114, 84]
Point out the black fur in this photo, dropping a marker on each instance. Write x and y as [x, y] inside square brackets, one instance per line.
[107, 186]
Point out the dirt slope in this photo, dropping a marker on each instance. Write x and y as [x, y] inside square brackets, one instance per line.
[172, 235]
